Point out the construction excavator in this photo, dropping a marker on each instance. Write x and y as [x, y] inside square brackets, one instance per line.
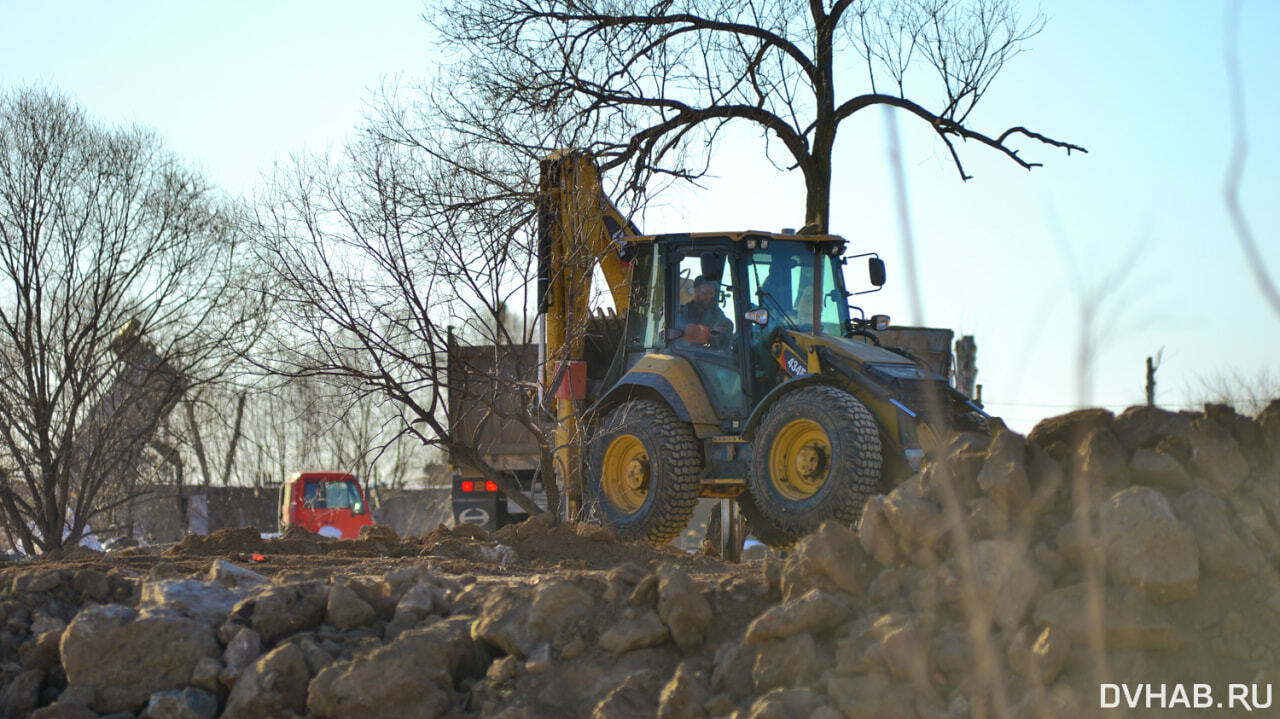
[735, 368]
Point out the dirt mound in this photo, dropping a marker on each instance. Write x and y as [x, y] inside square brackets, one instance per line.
[540, 544]
[1011, 576]
[241, 540]
[76, 553]
[383, 542]
[575, 545]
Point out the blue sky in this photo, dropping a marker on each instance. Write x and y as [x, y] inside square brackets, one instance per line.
[1134, 231]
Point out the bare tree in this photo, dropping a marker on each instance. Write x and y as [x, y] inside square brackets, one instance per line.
[307, 423]
[99, 229]
[639, 83]
[379, 256]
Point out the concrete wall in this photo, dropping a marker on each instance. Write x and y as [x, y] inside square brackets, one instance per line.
[156, 517]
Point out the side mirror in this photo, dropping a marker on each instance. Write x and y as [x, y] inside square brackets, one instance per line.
[875, 267]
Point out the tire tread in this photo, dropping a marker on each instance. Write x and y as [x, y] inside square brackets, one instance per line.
[679, 455]
[852, 423]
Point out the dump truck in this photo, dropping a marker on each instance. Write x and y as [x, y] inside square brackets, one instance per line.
[741, 371]
[331, 504]
[484, 390]
[489, 391]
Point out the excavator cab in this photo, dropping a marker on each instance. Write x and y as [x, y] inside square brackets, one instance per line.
[741, 373]
[717, 300]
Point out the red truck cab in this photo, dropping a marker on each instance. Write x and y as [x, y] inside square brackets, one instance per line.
[331, 504]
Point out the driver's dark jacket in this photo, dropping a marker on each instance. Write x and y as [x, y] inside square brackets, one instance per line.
[710, 315]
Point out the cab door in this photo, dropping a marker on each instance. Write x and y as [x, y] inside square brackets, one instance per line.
[310, 504]
[705, 322]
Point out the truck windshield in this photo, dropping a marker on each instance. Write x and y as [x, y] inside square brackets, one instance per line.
[332, 495]
[780, 279]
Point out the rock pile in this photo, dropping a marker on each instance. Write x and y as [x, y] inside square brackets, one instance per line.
[1012, 576]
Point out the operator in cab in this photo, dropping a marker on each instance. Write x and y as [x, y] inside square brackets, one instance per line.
[702, 319]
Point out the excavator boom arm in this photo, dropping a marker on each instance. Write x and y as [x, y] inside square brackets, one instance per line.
[578, 229]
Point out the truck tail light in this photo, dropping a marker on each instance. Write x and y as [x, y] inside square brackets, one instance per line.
[490, 486]
[468, 486]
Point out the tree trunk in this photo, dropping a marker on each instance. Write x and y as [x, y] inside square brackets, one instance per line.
[817, 181]
[817, 171]
[197, 443]
[51, 521]
[547, 471]
[171, 455]
[817, 206]
[235, 440]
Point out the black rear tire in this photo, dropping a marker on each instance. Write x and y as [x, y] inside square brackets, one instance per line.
[644, 472]
[817, 457]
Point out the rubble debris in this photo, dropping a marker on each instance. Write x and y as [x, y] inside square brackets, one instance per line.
[1009, 576]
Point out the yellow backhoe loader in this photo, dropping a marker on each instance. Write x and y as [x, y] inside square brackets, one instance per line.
[738, 369]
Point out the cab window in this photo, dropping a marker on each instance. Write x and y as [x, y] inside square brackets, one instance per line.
[341, 495]
[835, 305]
[646, 320]
[780, 280]
[707, 301]
[313, 495]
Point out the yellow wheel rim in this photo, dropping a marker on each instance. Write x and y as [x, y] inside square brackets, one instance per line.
[625, 474]
[800, 459]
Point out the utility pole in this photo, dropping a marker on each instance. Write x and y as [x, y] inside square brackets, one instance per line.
[1151, 381]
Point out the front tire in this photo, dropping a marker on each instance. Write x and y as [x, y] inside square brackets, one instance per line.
[817, 458]
[644, 472]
